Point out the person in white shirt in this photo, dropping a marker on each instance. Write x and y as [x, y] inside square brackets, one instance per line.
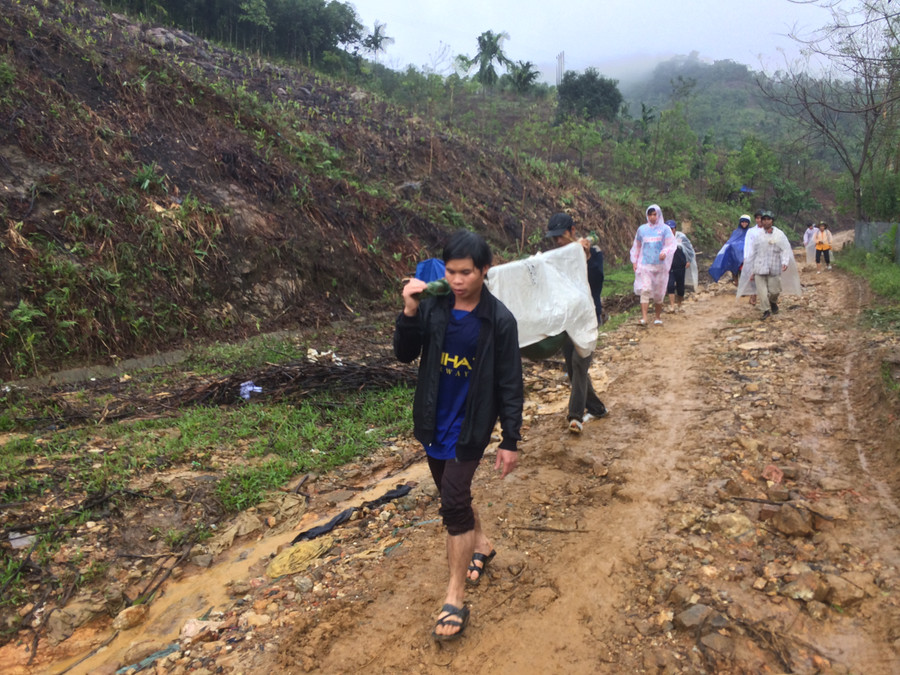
[809, 242]
[767, 255]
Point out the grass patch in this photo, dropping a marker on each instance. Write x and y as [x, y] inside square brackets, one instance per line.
[317, 435]
[618, 281]
[253, 353]
[250, 449]
[890, 375]
[883, 276]
[618, 319]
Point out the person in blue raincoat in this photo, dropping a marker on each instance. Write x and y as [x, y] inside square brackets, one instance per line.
[730, 257]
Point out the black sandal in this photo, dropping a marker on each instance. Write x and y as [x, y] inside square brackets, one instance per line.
[456, 616]
[484, 560]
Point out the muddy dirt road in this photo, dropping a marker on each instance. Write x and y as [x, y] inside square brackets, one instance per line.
[737, 512]
[653, 543]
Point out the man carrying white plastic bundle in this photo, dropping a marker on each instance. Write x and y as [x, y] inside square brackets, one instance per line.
[561, 229]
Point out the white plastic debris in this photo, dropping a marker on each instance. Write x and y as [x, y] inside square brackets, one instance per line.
[248, 388]
[18, 540]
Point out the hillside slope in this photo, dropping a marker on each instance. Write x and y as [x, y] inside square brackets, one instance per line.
[157, 189]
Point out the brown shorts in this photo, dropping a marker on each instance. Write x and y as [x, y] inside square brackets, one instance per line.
[454, 482]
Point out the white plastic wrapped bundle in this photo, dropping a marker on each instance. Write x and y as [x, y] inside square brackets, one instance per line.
[549, 294]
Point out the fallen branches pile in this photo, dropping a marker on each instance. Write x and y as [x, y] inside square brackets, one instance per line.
[123, 400]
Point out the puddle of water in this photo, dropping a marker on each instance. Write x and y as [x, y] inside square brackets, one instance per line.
[193, 596]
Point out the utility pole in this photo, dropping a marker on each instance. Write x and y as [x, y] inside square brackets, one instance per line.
[560, 67]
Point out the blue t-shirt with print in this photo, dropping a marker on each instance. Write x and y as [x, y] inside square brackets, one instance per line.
[653, 239]
[457, 363]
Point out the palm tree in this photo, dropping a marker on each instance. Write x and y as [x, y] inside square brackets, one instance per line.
[523, 75]
[490, 49]
[377, 40]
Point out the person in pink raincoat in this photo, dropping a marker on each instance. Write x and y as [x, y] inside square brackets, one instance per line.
[651, 258]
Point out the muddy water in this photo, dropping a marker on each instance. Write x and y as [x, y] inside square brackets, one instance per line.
[194, 596]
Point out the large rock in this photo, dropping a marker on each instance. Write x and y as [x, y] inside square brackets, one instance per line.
[693, 616]
[63, 622]
[842, 592]
[807, 587]
[685, 519]
[732, 525]
[130, 617]
[793, 522]
[718, 643]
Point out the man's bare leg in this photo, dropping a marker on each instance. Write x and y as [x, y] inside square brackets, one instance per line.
[460, 548]
[645, 306]
[482, 545]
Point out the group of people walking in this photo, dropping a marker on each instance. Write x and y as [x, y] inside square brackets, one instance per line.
[470, 370]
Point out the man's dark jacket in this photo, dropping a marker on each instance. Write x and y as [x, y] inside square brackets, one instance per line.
[495, 389]
[595, 280]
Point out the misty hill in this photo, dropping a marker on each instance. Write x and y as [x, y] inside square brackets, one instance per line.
[721, 98]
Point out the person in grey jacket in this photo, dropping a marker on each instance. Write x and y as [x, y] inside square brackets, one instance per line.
[470, 374]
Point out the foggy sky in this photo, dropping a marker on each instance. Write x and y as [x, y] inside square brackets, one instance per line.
[613, 36]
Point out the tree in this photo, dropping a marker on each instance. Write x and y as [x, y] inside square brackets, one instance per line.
[254, 13]
[851, 107]
[522, 76]
[377, 40]
[490, 49]
[589, 96]
[755, 165]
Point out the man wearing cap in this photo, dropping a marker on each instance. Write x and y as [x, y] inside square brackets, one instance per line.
[561, 229]
[752, 231]
[767, 255]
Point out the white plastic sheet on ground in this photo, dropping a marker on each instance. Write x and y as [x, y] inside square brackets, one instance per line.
[548, 294]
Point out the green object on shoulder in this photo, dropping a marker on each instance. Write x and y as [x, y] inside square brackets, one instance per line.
[436, 287]
[545, 348]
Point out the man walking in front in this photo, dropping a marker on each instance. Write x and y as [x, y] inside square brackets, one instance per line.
[766, 256]
[470, 373]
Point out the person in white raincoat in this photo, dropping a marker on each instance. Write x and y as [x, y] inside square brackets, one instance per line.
[769, 262]
[651, 257]
[683, 271]
[809, 243]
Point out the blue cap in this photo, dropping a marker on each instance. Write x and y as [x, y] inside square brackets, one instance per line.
[672, 224]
